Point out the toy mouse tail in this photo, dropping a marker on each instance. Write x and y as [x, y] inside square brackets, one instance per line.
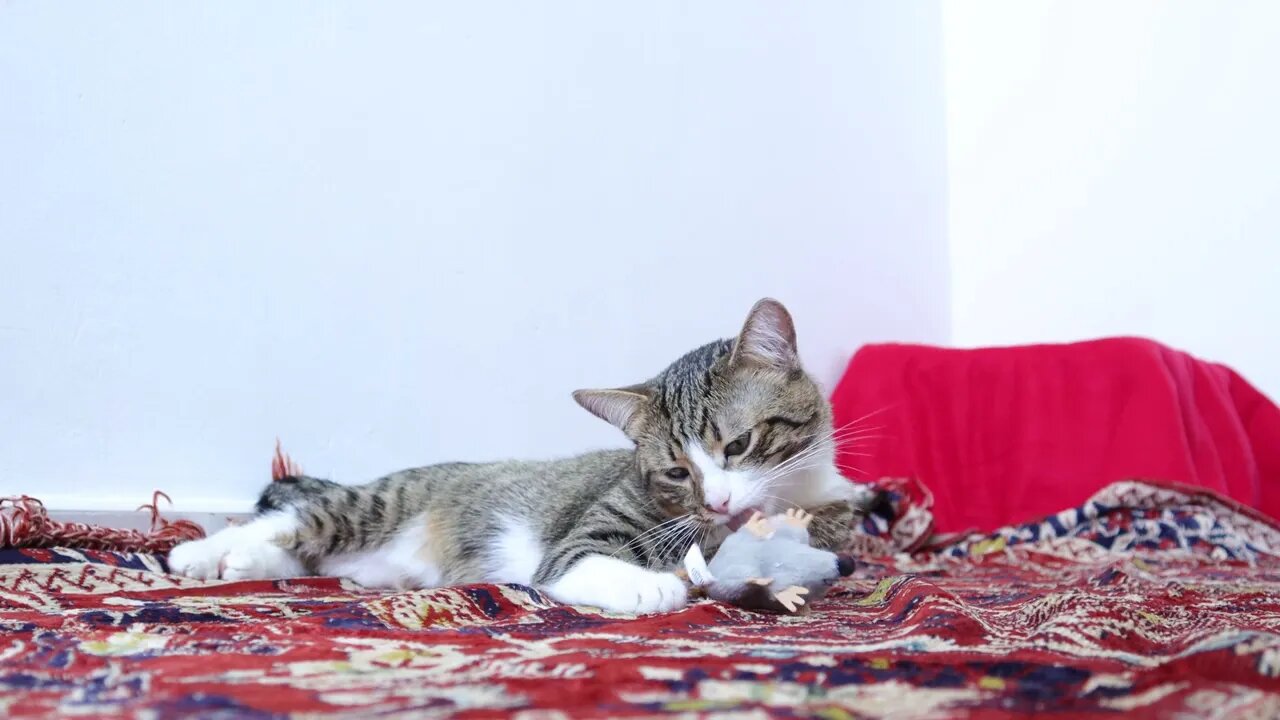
[845, 564]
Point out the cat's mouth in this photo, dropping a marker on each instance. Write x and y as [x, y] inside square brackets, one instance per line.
[733, 522]
[740, 519]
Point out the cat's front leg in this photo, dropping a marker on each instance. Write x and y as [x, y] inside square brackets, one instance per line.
[616, 585]
[241, 552]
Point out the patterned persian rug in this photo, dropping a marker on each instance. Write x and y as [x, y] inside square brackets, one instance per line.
[1149, 601]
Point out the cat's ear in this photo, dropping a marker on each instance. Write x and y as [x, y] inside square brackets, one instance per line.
[618, 407]
[768, 338]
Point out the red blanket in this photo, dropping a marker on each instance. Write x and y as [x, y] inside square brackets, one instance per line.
[1006, 434]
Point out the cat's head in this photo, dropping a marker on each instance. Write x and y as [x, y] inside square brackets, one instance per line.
[724, 428]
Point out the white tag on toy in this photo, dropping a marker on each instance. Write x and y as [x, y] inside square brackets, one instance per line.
[696, 565]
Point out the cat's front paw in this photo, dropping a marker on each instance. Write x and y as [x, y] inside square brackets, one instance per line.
[197, 559]
[661, 592]
[233, 554]
[617, 586]
[259, 561]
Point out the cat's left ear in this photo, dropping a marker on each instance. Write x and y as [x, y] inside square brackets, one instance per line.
[768, 338]
[620, 407]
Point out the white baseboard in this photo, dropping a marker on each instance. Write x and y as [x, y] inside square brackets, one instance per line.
[183, 502]
[141, 519]
[121, 511]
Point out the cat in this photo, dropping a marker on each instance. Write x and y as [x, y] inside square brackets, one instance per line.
[732, 427]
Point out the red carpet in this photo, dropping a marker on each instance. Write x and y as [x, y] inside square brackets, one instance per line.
[1144, 602]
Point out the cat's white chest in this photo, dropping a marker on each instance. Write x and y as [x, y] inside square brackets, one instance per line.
[404, 562]
[515, 554]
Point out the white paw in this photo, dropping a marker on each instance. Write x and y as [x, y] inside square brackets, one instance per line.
[617, 586]
[240, 552]
[259, 561]
[664, 592]
[197, 559]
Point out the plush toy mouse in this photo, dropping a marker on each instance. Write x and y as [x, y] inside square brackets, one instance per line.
[768, 564]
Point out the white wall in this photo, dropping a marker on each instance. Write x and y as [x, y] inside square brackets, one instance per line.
[1114, 168]
[401, 233]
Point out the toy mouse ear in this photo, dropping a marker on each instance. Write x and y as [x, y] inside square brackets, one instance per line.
[620, 407]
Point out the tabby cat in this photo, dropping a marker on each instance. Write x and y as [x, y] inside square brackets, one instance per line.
[731, 427]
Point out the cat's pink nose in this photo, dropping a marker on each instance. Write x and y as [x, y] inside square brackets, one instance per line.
[718, 507]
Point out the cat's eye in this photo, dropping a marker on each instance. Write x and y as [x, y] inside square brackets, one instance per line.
[677, 473]
[739, 445]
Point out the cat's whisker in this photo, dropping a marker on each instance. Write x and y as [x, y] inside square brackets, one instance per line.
[663, 544]
[783, 502]
[801, 461]
[849, 433]
[702, 537]
[822, 446]
[805, 463]
[654, 533]
[854, 440]
[656, 528]
[697, 532]
[832, 440]
[770, 479]
[673, 543]
[692, 537]
[810, 451]
[869, 415]
[840, 431]
[788, 466]
[842, 435]
[779, 479]
[870, 433]
[778, 474]
[860, 441]
[760, 491]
